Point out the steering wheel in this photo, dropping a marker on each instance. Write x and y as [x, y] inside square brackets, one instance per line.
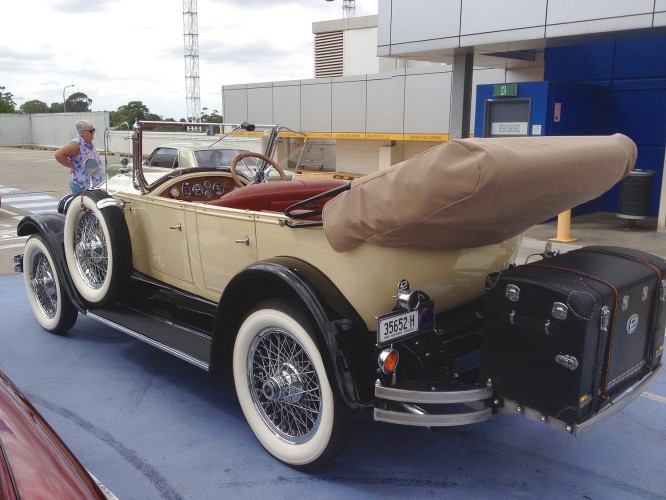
[234, 174]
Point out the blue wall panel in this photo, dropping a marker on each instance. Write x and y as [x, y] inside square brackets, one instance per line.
[580, 63]
[640, 59]
[635, 71]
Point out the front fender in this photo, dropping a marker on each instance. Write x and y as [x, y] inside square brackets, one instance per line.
[51, 227]
[345, 344]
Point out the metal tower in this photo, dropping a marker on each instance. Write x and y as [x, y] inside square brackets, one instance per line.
[348, 8]
[191, 35]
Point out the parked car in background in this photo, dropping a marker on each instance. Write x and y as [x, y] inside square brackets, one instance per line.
[334, 299]
[34, 462]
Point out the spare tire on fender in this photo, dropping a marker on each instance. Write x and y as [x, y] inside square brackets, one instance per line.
[98, 250]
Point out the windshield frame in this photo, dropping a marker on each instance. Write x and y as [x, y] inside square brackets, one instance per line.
[270, 134]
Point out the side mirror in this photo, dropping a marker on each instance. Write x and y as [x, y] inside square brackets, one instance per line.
[124, 161]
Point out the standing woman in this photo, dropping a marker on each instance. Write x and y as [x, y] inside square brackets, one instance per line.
[75, 154]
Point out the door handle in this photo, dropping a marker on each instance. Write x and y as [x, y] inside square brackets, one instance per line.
[245, 240]
[177, 226]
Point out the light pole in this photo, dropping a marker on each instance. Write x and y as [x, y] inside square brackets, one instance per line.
[64, 103]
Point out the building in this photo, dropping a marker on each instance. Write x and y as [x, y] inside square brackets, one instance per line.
[447, 69]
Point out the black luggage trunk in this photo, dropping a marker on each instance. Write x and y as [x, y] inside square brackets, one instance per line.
[565, 335]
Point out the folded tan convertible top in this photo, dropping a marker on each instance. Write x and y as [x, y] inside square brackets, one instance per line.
[468, 193]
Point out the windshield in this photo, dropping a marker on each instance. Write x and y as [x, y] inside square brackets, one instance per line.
[200, 145]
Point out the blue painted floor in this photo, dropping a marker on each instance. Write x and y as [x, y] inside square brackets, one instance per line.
[151, 426]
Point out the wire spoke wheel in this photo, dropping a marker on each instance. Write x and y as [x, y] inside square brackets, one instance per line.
[50, 304]
[43, 285]
[284, 385]
[283, 388]
[92, 258]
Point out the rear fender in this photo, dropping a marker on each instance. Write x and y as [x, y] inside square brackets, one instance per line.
[345, 344]
[51, 227]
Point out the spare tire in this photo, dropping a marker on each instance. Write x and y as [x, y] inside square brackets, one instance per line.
[97, 247]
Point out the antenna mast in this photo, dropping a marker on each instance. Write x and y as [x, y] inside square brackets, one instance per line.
[191, 36]
[348, 8]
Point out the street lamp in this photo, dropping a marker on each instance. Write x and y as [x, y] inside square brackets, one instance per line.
[64, 103]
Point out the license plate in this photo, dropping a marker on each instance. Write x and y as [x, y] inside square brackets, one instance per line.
[397, 325]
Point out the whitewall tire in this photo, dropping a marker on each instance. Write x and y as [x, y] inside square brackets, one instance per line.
[48, 301]
[283, 388]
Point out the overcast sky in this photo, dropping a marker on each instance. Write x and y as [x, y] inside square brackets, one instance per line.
[116, 51]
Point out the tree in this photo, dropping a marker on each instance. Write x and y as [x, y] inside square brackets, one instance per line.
[78, 102]
[129, 112]
[214, 117]
[7, 104]
[34, 106]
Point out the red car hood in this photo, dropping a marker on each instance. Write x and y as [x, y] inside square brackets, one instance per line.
[35, 463]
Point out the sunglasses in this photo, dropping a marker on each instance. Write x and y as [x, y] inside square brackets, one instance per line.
[92, 130]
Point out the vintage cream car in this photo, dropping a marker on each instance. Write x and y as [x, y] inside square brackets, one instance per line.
[331, 299]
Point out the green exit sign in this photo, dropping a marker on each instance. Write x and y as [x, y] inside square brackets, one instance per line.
[505, 90]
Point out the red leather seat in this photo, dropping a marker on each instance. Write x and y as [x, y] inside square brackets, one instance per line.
[276, 196]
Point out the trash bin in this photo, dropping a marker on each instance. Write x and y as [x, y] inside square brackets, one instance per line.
[634, 200]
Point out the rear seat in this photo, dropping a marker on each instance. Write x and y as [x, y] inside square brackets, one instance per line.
[277, 196]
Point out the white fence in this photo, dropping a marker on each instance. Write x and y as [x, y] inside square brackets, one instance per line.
[55, 130]
[50, 130]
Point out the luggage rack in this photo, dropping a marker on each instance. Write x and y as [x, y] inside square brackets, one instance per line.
[623, 400]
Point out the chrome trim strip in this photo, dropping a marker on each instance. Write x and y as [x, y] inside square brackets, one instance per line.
[395, 417]
[432, 397]
[107, 202]
[154, 343]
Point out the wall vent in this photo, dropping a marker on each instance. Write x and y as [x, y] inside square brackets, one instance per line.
[328, 54]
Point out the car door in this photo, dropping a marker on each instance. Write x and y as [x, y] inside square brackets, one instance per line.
[168, 240]
[227, 244]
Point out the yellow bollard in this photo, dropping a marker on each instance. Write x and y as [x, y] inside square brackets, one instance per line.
[563, 227]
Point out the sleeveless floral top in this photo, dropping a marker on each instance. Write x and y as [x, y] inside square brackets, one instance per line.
[79, 177]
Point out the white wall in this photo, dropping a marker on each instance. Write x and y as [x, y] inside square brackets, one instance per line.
[360, 52]
[15, 130]
[49, 130]
[433, 28]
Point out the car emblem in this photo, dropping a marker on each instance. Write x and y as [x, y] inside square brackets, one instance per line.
[632, 324]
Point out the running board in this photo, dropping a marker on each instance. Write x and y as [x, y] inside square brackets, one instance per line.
[184, 343]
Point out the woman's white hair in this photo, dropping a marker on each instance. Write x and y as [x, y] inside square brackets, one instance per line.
[83, 123]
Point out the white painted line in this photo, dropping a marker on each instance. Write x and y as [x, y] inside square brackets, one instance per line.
[7, 212]
[17, 245]
[29, 197]
[654, 397]
[53, 203]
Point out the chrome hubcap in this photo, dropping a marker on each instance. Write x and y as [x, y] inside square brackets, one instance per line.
[284, 385]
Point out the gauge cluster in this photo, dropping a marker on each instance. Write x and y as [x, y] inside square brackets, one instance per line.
[199, 189]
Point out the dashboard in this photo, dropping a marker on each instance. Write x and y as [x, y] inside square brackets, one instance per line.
[199, 189]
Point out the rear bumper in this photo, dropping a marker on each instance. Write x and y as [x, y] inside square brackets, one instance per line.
[432, 404]
[441, 404]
